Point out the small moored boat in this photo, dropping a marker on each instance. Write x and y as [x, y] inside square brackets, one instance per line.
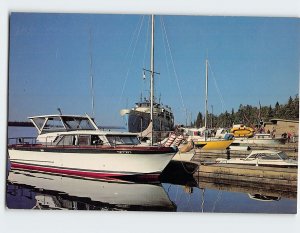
[260, 139]
[270, 158]
[202, 139]
[242, 131]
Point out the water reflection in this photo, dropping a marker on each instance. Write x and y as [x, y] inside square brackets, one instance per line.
[175, 191]
[45, 191]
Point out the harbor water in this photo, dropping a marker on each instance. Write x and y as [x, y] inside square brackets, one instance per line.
[174, 191]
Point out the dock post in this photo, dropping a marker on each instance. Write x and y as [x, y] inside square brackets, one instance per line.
[228, 153]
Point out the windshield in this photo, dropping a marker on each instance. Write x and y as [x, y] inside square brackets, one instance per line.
[283, 155]
[268, 156]
[73, 123]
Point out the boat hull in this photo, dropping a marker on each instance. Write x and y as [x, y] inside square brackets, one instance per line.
[260, 141]
[92, 164]
[213, 144]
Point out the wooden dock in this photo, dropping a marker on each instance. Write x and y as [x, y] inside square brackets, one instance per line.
[271, 176]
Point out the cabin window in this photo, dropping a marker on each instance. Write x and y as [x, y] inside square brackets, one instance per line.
[129, 140]
[66, 140]
[95, 140]
[122, 140]
[54, 124]
[77, 123]
[39, 122]
[84, 140]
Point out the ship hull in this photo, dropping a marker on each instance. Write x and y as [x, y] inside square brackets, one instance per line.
[92, 163]
[139, 121]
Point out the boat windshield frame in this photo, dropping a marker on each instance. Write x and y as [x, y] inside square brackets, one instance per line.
[268, 156]
[62, 123]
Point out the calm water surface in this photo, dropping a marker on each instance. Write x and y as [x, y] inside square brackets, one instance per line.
[174, 192]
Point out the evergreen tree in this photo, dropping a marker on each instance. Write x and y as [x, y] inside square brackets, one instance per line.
[199, 120]
[296, 107]
[277, 110]
[270, 113]
[289, 108]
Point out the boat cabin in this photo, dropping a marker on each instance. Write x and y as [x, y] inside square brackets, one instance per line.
[72, 130]
[86, 139]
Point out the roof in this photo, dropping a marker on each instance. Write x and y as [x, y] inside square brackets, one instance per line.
[264, 151]
[57, 115]
[285, 120]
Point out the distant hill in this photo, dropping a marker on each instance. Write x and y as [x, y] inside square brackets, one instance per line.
[20, 123]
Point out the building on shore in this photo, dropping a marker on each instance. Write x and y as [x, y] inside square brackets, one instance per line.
[282, 126]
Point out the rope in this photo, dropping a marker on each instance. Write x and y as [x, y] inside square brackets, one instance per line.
[217, 87]
[173, 65]
[202, 202]
[131, 58]
[218, 198]
[187, 171]
[147, 40]
[145, 52]
[165, 49]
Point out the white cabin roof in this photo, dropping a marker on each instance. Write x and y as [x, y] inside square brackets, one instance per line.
[58, 115]
[265, 151]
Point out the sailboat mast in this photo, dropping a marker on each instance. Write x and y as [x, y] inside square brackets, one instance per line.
[152, 78]
[206, 92]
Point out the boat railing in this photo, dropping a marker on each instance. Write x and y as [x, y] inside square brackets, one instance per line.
[159, 137]
[22, 141]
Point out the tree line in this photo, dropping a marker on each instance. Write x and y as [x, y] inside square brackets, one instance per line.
[251, 115]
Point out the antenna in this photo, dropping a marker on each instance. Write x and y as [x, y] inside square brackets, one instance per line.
[91, 73]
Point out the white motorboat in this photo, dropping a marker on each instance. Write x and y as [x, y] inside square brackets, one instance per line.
[260, 139]
[64, 192]
[271, 158]
[74, 145]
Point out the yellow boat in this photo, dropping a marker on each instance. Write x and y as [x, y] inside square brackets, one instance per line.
[242, 131]
[211, 144]
[197, 135]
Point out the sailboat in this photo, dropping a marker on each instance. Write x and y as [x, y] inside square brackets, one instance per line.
[148, 117]
[200, 137]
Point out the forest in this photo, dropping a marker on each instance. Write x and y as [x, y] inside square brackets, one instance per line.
[251, 115]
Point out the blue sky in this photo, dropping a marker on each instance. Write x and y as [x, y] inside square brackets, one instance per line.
[252, 59]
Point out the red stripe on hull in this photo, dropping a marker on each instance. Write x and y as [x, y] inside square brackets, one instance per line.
[65, 171]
